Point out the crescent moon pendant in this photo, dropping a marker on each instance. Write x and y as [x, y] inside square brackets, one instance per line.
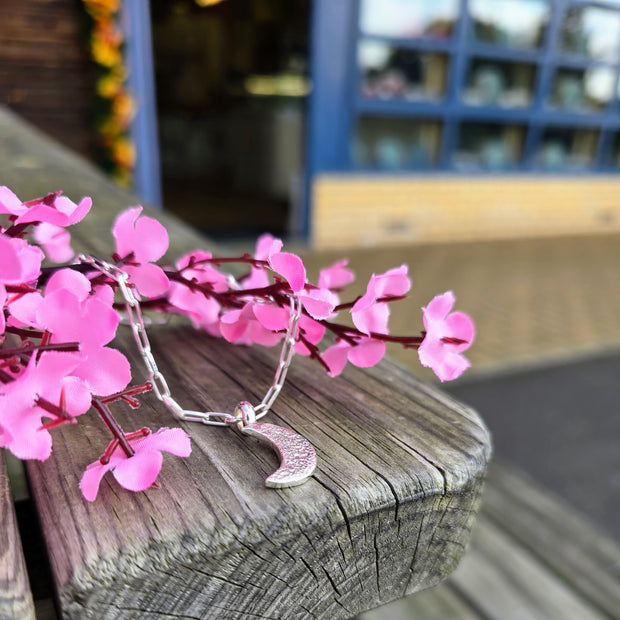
[297, 456]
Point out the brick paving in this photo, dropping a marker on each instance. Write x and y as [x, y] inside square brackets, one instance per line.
[534, 301]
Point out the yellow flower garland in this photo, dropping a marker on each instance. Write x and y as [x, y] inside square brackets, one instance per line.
[118, 108]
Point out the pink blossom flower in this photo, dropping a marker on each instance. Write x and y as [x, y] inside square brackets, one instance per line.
[146, 240]
[369, 313]
[138, 472]
[51, 378]
[19, 261]
[365, 353]
[448, 334]
[55, 240]
[54, 208]
[93, 324]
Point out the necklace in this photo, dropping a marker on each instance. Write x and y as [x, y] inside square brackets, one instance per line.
[297, 456]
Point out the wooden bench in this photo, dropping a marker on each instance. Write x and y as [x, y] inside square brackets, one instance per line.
[388, 512]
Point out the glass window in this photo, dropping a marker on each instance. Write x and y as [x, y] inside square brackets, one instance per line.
[507, 84]
[592, 31]
[392, 73]
[583, 89]
[615, 151]
[396, 143]
[489, 146]
[567, 148]
[515, 23]
[409, 18]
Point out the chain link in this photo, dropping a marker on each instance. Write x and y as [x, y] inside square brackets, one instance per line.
[156, 377]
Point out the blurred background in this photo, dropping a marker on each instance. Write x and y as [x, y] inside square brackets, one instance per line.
[476, 140]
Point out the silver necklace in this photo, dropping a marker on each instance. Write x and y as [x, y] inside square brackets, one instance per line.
[297, 456]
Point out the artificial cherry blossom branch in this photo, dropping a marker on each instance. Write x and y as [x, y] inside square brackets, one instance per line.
[66, 318]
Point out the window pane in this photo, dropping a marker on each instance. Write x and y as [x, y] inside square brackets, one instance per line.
[591, 31]
[396, 143]
[409, 18]
[583, 89]
[567, 148]
[516, 23]
[392, 73]
[615, 152]
[507, 84]
[489, 146]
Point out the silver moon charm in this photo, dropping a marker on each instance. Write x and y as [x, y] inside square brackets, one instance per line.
[297, 456]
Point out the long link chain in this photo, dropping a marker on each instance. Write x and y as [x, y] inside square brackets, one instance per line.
[157, 379]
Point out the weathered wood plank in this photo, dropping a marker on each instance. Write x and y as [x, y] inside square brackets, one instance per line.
[585, 558]
[15, 595]
[388, 512]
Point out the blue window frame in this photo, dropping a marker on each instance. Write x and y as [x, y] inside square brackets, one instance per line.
[466, 86]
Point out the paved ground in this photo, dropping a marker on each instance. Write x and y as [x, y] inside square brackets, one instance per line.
[546, 361]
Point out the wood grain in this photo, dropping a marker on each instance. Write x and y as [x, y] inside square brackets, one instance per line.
[15, 595]
[388, 512]
[531, 556]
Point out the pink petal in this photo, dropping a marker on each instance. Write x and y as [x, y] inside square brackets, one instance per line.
[440, 305]
[264, 245]
[451, 367]
[430, 352]
[77, 396]
[459, 325]
[231, 327]
[336, 358]
[29, 441]
[150, 280]
[53, 311]
[139, 471]
[10, 265]
[123, 230]
[319, 303]
[24, 310]
[271, 317]
[203, 310]
[257, 279]
[257, 334]
[91, 479]
[291, 267]
[9, 202]
[55, 240]
[2, 302]
[367, 353]
[74, 213]
[372, 319]
[393, 282]
[69, 279]
[173, 440]
[312, 331]
[105, 371]
[150, 239]
[336, 276]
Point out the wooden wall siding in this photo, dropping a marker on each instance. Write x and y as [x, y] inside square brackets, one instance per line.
[367, 211]
[45, 72]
